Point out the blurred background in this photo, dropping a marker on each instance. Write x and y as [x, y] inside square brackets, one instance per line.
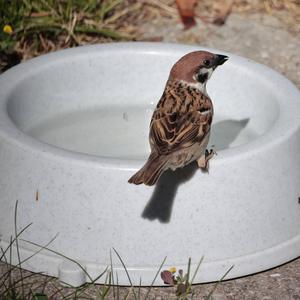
[265, 30]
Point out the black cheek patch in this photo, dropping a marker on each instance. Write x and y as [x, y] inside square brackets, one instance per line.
[202, 77]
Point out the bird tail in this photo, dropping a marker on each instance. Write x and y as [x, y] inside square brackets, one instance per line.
[150, 172]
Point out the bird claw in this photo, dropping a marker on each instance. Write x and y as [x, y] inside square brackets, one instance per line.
[210, 153]
[203, 161]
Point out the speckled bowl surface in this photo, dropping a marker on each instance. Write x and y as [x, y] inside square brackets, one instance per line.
[73, 129]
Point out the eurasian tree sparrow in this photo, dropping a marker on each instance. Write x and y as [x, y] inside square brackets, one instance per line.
[181, 123]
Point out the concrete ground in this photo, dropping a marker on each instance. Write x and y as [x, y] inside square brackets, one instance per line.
[260, 37]
[267, 40]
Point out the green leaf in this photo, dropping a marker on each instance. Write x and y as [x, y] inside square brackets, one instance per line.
[106, 8]
[209, 297]
[40, 296]
[100, 31]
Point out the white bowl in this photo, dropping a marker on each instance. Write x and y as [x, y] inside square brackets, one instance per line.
[74, 127]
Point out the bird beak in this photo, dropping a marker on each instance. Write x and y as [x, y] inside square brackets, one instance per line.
[220, 59]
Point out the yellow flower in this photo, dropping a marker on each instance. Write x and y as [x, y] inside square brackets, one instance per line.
[7, 29]
[172, 270]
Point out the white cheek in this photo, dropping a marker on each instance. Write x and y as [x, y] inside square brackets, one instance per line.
[199, 86]
[207, 71]
[210, 71]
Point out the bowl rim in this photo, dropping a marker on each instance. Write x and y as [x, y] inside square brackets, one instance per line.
[287, 124]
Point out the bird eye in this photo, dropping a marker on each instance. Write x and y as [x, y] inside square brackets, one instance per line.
[206, 62]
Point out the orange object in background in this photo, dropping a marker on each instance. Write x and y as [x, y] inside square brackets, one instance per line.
[186, 10]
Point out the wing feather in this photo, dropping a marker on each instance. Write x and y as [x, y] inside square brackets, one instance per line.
[170, 132]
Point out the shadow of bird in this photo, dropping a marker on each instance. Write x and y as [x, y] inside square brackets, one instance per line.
[161, 201]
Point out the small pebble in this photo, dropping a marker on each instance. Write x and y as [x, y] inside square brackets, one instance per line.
[275, 275]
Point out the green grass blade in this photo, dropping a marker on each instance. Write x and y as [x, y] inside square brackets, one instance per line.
[126, 273]
[139, 289]
[61, 255]
[118, 287]
[157, 273]
[217, 283]
[188, 274]
[100, 31]
[106, 287]
[112, 274]
[105, 9]
[197, 269]
[10, 263]
[18, 250]
[13, 240]
[40, 297]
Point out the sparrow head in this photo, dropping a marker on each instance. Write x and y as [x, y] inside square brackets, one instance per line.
[195, 68]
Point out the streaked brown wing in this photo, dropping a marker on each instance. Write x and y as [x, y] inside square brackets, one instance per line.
[172, 132]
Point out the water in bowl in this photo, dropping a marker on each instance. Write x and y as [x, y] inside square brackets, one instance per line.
[122, 132]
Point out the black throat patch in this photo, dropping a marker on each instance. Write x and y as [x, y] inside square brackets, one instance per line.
[202, 77]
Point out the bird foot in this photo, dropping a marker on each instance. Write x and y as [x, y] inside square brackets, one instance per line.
[203, 161]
